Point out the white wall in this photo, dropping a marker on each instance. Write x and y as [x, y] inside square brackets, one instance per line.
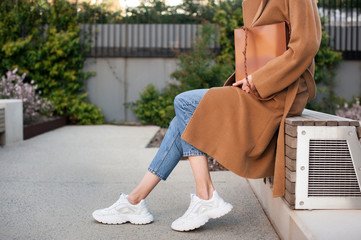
[121, 80]
[348, 79]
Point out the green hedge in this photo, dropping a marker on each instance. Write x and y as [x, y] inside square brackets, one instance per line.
[43, 41]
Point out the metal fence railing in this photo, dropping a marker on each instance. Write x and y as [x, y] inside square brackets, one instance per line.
[140, 40]
[343, 24]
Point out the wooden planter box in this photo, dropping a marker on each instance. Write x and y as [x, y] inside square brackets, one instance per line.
[35, 129]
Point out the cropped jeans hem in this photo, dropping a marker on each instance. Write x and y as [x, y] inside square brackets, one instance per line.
[157, 174]
[193, 153]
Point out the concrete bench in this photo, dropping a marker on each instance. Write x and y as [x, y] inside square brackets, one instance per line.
[323, 155]
[323, 162]
[11, 121]
[2, 120]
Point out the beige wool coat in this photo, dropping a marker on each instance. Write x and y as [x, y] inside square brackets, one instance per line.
[247, 135]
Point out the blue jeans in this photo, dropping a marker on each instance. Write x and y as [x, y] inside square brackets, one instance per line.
[173, 147]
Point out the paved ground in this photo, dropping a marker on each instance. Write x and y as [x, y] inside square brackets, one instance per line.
[50, 184]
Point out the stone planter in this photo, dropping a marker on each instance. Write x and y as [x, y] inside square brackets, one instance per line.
[38, 128]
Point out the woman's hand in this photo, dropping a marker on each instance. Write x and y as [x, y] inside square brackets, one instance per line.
[243, 83]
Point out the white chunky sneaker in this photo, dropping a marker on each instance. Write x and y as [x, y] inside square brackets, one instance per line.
[123, 211]
[200, 211]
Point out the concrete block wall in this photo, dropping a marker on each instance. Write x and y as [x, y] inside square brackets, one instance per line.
[348, 79]
[119, 81]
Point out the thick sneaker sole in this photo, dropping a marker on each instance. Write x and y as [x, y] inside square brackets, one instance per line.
[120, 219]
[203, 219]
[221, 211]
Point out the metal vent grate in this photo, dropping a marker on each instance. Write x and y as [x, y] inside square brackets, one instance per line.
[331, 171]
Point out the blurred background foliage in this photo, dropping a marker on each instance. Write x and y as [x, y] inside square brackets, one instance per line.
[42, 40]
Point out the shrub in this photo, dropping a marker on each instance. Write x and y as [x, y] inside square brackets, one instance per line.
[155, 107]
[201, 68]
[13, 86]
[353, 112]
[43, 42]
[76, 108]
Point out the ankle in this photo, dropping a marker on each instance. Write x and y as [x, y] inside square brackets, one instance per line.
[133, 200]
[205, 194]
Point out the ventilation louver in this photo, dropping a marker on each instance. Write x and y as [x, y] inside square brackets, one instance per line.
[328, 168]
[331, 171]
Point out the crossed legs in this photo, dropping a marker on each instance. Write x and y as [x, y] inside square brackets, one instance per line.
[204, 205]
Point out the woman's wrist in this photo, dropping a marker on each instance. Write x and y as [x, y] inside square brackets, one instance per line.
[247, 85]
[251, 83]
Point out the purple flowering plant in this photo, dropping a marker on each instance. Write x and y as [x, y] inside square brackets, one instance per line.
[12, 86]
[353, 112]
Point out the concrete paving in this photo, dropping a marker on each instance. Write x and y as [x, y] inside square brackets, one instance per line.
[50, 184]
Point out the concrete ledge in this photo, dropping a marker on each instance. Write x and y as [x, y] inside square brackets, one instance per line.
[285, 222]
[13, 121]
[306, 224]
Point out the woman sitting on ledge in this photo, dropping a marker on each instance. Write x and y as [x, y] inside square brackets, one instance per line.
[228, 123]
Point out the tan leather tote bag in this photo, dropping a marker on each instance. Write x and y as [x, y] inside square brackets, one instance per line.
[255, 46]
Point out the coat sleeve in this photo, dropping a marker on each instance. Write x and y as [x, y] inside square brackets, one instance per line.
[304, 42]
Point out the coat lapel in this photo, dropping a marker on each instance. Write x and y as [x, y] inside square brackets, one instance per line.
[250, 8]
[253, 12]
